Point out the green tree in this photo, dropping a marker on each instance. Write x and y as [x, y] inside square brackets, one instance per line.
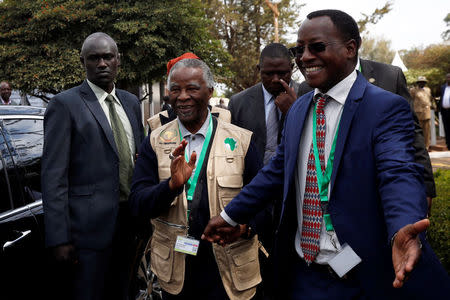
[377, 49]
[245, 27]
[40, 40]
[432, 62]
[446, 34]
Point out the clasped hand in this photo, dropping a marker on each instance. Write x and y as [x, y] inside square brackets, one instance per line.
[219, 231]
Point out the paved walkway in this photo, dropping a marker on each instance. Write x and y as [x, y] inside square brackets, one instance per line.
[439, 155]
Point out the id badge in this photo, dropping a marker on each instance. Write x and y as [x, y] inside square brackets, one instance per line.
[187, 245]
[344, 261]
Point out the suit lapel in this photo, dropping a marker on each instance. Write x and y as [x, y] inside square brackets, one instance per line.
[367, 70]
[293, 132]
[350, 108]
[94, 106]
[260, 112]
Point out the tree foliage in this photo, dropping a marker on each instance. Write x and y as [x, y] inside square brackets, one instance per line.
[374, 17]
[245, 27]
[432, 62]
[446, 34]
[377, 49]
[40, 41]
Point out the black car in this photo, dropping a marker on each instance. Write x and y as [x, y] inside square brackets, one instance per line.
[21, 216]
[24, 262]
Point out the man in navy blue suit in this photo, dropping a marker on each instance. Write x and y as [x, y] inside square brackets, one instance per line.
[91, 133]
[353, 213]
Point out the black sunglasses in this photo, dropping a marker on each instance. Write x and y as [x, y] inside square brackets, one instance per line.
[313, 47]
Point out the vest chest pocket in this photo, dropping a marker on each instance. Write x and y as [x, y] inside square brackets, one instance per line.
[161, 257]
[228, 187]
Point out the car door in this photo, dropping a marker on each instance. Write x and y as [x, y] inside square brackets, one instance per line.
[22, 254]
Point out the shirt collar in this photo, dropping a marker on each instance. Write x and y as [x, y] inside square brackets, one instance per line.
[340, 91]
[101, 94]
[202, 131]
[267, 96]
[358, 65]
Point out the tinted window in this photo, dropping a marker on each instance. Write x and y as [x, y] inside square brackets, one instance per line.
[27, 139]
[10, 187]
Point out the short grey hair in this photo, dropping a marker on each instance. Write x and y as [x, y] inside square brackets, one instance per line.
[196, 64]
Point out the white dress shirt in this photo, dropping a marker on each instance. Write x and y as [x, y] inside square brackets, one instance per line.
[101, 96]
[446, 97]
[329, 243]
[268, 104]
[195, 140]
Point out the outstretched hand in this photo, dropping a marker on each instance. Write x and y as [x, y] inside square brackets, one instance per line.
[219, 231]
[406, 250]
[285, 100]
[180, 170]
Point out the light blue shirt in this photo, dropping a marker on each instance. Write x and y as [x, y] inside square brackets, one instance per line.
[269, 104]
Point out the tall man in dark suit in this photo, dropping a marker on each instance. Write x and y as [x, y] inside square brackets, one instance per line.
[90, 137]
[392, 79]
[353, 206]
[444, 106]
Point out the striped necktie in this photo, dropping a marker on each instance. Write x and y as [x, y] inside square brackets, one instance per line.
[271, 132]
[312, 212]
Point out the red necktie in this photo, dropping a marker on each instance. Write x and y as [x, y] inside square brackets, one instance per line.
[312, 212]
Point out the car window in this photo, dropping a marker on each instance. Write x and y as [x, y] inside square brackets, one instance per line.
[27, 138]
[10, 178]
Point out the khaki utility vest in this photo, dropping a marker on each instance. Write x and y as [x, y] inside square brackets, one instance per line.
[238, 262]
[221, 114]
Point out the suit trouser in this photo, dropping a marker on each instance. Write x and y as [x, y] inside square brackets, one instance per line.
[315, 282]
[106, 274]
[445, 113]
[425, 124]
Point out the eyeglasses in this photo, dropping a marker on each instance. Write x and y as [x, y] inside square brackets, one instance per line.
[313, 47]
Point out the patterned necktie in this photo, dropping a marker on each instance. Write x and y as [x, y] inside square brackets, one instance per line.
[271, 132]
[120, 137]
[312, 212]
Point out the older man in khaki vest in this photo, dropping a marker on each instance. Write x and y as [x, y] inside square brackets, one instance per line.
[187, 172]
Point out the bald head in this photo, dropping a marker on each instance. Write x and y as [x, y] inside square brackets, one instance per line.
[94, 38]
[5, 91]
[100, 58]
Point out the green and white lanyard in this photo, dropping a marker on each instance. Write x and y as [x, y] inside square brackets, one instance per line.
[192, 182]
[323, 180]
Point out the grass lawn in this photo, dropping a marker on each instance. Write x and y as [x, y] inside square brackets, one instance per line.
[439, 231]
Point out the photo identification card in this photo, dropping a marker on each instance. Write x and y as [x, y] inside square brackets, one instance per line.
[187, 245]
[344, 261]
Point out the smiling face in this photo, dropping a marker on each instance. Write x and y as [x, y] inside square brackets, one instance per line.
[189, 96]
[326, 68]
[272, 69]
[100, 59]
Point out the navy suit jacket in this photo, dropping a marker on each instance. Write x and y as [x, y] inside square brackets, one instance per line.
[80, 168]
[376, 188]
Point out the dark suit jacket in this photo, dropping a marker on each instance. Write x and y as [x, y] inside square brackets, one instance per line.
[392, 79]
[247, 111]
[376, 189]
[80, 168]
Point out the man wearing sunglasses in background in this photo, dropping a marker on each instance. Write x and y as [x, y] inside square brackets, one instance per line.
[353, 210]
[392, 79]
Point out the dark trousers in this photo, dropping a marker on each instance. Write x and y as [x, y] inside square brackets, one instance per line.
[445, 112]
[316, 283]
[100, 274]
